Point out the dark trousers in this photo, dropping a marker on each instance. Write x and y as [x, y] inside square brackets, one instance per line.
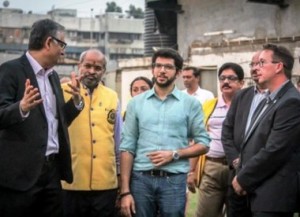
[238, 206]
[273, 214]
[90, 203]
[43, 199]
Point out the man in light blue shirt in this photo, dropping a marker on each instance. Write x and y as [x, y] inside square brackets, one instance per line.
[154, 149]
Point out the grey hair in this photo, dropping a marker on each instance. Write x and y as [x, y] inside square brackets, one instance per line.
[83, 54]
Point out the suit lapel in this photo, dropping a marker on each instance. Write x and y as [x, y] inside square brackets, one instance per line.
[29, 73]
[60, 102]
[268, 109]
[252, 129]
[54, 81]
[246, 108]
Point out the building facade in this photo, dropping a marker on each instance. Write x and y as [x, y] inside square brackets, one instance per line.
[113, 33]
[206, 33]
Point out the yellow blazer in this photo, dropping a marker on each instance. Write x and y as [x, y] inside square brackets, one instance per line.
[92, 141]
[208, 108]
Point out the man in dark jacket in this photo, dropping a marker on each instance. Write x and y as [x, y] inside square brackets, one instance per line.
[34, 141]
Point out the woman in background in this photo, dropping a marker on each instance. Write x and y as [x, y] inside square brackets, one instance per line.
[139, 85]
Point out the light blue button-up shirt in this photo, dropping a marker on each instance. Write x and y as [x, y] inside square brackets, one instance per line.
[153, 124]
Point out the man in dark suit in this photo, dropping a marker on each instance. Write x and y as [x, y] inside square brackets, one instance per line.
[270, 152]
[34, 141]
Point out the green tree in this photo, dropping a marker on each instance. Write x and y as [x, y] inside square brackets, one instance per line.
[135, 12]
[112, 7]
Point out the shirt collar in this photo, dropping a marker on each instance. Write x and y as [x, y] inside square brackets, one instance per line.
[265, 91]
[175, 93]
[221, 102]
[36, 66]
[196, 93]
[274, 93]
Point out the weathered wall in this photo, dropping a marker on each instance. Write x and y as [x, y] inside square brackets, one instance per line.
[247, 20]
[130, 69]
[251, 24]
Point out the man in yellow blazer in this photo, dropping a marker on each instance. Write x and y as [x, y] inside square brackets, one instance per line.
[95, 138]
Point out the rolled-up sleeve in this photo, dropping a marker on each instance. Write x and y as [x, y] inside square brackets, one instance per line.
[196, 124]
[130, 130]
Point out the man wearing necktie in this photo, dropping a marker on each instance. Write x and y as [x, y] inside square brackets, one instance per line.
[268, 172]
[34, 140]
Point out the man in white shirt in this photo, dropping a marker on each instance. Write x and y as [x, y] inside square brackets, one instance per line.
[191, 79]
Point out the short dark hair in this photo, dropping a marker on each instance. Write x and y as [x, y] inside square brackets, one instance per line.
[147, 80]
[169, 53]
[233, 66]
[196, 71]
[41, 30]
[283, 55]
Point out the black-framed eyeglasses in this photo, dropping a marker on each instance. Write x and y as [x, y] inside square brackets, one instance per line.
[167, 67]
[61, 43]
[229, 78]
[261, 63]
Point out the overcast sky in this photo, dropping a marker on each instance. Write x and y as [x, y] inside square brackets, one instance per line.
[83, 6]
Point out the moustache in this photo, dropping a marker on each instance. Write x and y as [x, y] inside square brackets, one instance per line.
[226, 85]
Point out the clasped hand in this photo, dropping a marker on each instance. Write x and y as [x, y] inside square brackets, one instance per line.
[159, 158]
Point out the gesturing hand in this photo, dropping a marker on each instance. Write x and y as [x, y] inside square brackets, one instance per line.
[75, 88]
[30, 99]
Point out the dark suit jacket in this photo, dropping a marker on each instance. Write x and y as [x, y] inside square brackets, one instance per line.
[23, 142]
[270, 155]
[234, 125]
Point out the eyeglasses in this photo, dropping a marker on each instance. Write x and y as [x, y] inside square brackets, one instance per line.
[229, 78]
[253, 64]
[167, 67]
[61, 43]
[261, 63]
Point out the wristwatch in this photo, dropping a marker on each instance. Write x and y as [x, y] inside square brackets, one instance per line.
[175, 155]
[80, 105]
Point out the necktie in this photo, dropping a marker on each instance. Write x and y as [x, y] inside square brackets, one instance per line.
[257, 111]
[262, 106]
